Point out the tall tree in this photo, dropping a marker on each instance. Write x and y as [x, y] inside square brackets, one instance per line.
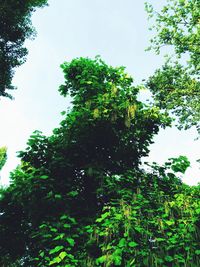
[176, 86]
[106, 133]
[15, 28]
[81, 198]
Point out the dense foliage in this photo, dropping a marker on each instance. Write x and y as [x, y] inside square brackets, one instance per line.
[15, 28]
[81, 196]
[176, 86]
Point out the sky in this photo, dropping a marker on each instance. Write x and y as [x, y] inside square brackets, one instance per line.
[118, 31]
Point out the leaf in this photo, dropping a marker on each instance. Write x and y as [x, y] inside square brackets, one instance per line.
[101, 259]
[44, 177]
[72, 194]
[197, 252]
[72, 220]
[159, 239]
[56, 249]
[66, 225]
[132, 244]
[169, 222]
[59, 237]
[63, 254]
[103, 216]
[71, 241]
[168, 258]
[42, 254]
[118, 216]
[138, 229]
[63, 113]
[117, 260]
[43, 226]
[63, 217]
[55, 260]
[54, 230]
[122, 242]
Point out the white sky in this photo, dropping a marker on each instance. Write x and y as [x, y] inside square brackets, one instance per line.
[118, 31]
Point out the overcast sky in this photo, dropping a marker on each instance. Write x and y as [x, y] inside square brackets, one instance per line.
[118, 31]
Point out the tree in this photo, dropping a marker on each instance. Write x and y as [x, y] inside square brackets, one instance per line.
[176, 87]
[81, 197]
[15, 28]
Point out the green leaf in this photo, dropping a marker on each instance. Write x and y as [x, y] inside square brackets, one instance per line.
[55, 260]
[62, 255]
[43, 226]
[59, 237]
[197, 252]
[63, 217]
[44, 177]
[71, 241]
[101, 259]
[103, 216]
[66, 225]
[42, 254]
[117, 260]
[63, 113]
[122, 242]
[168, 258]
[132, 244]
[56, 249]
[72, 194]
[169, 222]
[118, 216]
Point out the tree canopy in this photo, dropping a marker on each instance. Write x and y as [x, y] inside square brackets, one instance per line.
[84, 196]
[176, 86]
[81, 196]
[15, 28]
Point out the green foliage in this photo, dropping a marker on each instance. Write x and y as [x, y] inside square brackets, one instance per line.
[175, 86]
[177, 25]
[175, 89]
[56, 242]
[3, 156]
[149, 228]
[15, 28]
[180, 164]
[80, 196]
